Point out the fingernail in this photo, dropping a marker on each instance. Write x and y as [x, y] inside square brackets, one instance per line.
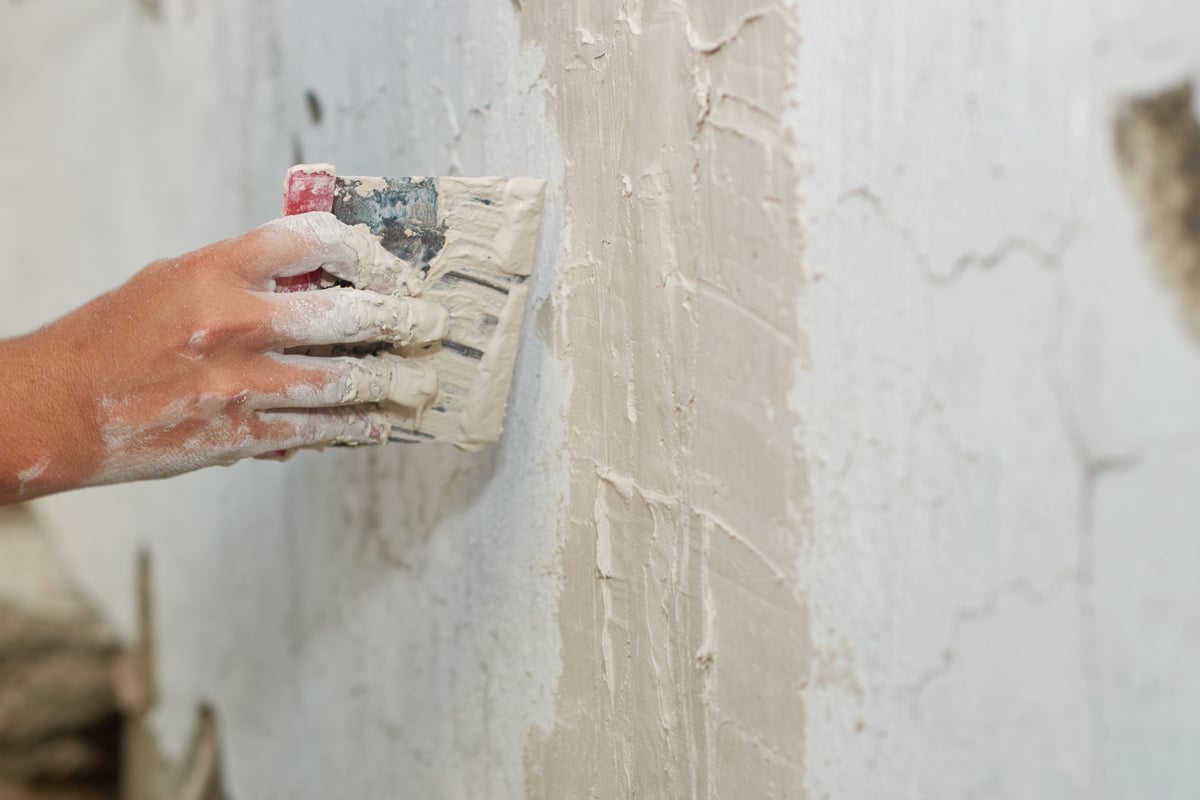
[380, 428]
[431, 322]
[370, 428]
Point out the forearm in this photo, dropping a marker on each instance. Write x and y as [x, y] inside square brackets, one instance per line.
[47, 437]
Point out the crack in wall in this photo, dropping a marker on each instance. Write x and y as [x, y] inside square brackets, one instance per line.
[989, 606]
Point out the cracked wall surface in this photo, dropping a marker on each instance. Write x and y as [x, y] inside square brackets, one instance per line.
[855, 432]
[1000, 406]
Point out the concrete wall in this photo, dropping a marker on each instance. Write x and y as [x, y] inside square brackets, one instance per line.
[852, 449]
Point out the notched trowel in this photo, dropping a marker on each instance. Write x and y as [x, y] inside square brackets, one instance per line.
[473, 241]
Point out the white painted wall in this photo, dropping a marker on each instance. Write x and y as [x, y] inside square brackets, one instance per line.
[998, 406]
[1001, 408]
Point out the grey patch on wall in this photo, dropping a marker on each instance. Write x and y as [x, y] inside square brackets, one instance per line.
[1157, 141]
[151, 8]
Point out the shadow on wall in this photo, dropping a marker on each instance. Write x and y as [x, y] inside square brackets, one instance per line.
[367, 515]
[1157, 140]
[395, 497]
[60, 721]
[73, 699]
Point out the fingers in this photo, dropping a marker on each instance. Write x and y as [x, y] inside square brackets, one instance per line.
[345, 316]
[292, 381]
[318, 240]
[286, 430]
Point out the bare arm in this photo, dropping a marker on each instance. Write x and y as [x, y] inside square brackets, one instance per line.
[183, 366]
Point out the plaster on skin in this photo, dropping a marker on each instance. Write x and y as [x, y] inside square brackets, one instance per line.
[685, 646]
[222, 440]
[350, 380]
[364, 263]
[31, 474]
[130, 435]
[338, 315]
[397, 380]
[195, 346]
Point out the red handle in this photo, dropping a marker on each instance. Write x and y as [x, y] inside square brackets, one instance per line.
[309, 187]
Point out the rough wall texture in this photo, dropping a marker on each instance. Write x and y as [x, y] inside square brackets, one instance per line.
[1001, 407]
[365, 624]
[684, 644]
[852, 446]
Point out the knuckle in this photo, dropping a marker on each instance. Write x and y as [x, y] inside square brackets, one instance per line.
[224, 389]
[225, 261]
[233, 324]
[309, 229]
[368, 380]
[389, 316]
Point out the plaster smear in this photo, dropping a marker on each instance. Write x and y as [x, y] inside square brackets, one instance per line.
[684, 644]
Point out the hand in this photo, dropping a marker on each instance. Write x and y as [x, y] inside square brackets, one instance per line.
[184, 366]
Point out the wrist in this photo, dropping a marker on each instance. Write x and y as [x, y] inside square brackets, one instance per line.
[47, 435]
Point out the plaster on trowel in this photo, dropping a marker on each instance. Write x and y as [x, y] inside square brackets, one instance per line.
[472, 240]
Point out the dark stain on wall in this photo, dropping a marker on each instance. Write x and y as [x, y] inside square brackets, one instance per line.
[1157, 140]
[315, 112]
[151, 8]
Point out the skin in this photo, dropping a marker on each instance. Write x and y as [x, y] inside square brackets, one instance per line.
[183, 367]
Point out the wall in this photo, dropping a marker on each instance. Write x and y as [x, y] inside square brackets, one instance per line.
[363, 623]
[1001, 407]
[851, 446]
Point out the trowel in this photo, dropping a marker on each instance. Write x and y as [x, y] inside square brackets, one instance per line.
[472, 240]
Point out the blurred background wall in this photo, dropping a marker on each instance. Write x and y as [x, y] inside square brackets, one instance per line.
[854, 446]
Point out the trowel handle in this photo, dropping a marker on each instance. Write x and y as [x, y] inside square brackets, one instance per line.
[309, 187]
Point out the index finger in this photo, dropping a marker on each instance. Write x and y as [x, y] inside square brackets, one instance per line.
[302, 243]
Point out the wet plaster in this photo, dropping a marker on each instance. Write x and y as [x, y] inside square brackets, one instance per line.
[684, 641]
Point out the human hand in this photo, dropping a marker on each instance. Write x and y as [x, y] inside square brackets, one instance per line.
[184, 366]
